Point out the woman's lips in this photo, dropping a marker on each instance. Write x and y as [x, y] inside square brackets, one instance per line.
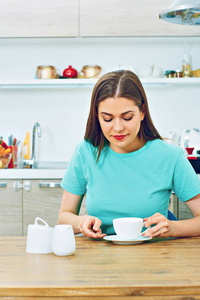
[119, 137]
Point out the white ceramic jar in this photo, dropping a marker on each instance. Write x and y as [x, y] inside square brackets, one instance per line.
[39, 237]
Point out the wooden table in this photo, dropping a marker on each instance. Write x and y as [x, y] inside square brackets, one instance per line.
[157, 269]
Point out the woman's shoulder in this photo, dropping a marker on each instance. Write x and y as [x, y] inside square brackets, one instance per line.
[84, 147]
[165, 147]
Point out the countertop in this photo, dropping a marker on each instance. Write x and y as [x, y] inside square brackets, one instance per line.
[44, 170]
[32, 173]
[156, 269]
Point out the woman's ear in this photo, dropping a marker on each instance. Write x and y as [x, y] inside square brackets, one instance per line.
[142, 112]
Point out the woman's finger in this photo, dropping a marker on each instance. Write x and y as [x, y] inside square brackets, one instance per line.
[97, 225]
[155, 219]
[91, 228]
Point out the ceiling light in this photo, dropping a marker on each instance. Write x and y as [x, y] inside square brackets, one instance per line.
[185, 12]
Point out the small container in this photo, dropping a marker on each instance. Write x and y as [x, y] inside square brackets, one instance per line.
[63, 242]
[46, 72]
[70, 72]
[178, 74]
[170, 73]
[186, 65]
[39, 237]
[90, 71]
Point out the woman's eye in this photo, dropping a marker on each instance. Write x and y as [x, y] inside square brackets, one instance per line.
[128, 119]
[107, 120]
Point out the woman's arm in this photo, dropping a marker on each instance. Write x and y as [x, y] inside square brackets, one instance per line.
[69, 210]
[89, 226]
[182, 228]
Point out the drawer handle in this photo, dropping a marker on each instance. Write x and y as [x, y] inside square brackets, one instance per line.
[3, 184]
[49, 184]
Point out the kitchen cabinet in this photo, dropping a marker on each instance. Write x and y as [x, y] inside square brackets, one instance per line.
[184, 212]
[23, 200]
[43, 201]
[86, 18]
[179, 208]
[128, 18]
[39, 18]
[10, 209]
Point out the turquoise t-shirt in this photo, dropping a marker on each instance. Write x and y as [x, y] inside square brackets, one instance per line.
[136, 184]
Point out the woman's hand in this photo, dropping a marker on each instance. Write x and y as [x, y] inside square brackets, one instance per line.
[163, 227]
[90, 227]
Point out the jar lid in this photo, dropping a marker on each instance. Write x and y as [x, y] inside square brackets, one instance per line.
[169, 72]
[43, 226]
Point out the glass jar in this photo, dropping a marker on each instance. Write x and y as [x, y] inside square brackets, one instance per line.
[178, 74]
[170, 73]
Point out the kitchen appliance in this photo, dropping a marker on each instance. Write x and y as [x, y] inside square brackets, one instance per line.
[193, 159]
[190, 138]
[185, 12]
[190, 143]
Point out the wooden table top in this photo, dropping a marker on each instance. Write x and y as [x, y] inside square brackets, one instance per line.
[156, 269]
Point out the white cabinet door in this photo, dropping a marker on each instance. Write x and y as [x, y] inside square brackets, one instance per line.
[43, 201]
[10, 209]
[39, 18]
[129, 18]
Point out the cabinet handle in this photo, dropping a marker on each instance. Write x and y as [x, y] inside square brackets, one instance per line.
[3, 184]
[49, 184]
[26, 186]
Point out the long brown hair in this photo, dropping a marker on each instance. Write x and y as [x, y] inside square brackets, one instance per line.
[115, 84]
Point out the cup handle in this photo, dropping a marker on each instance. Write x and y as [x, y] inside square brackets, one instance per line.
[39, 219]
[81, 74]
[146, 229]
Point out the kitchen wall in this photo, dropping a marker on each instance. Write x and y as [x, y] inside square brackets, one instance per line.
[62, 112]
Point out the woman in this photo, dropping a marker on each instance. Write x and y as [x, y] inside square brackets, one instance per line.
[125, 168]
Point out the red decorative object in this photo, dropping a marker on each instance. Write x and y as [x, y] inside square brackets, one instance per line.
[189, 150]
[70, 72]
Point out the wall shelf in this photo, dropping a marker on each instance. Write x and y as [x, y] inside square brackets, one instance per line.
[66, 83]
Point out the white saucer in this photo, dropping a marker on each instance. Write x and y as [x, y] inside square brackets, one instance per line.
[119, 241]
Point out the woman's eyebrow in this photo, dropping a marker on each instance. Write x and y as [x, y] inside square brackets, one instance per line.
[105, 113]
[126, 112]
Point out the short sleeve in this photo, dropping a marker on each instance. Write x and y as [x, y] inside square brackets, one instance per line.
[186, 183]
[74, 180]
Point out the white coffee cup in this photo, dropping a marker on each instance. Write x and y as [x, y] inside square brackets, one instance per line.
[128, 228]
[39, 237]
[63, 242]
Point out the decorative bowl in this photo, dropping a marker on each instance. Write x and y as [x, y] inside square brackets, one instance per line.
[196, 73]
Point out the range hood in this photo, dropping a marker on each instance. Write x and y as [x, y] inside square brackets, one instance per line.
[185, 12]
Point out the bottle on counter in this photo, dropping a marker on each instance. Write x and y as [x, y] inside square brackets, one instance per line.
[186, 65]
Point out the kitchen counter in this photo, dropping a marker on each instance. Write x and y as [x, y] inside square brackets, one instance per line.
[32, 173]
[43, 170]
[157, 269]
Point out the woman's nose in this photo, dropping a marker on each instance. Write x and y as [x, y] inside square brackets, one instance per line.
[118, 126]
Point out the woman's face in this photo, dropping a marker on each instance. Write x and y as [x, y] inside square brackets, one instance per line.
[120, 121]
